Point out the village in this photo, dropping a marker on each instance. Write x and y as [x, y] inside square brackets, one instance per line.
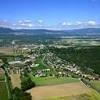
[42, 64]
[37, 64]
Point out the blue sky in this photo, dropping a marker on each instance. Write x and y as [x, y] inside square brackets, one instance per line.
[54, 14]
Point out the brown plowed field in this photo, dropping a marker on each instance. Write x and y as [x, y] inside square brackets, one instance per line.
[43, 92]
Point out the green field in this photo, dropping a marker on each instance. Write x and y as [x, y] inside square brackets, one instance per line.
[3, 91]
[96, 85]
[93, 95]
[41, 81]
[2, 77]
[41, 63]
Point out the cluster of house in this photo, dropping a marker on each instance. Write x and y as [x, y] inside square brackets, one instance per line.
[57, 63]
[41, 73]
[76, 70]
[54, 61]
[50, 59]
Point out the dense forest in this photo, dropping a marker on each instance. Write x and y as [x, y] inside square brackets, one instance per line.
[84, 57]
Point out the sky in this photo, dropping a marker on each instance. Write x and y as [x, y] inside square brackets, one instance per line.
[50, 14]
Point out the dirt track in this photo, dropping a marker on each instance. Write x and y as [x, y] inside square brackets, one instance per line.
[39, 93]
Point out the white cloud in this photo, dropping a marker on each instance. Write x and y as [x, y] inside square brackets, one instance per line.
[40, 21]
[5, 23]
[78, 23]
[66, 24]
[20, 21]
[63, 23]
[25, 21]
[28, 21]
[29, 24]
[40, 24]
[91, 22]
[24, 24]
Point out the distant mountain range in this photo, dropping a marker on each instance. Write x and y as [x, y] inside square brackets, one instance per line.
[52, 33]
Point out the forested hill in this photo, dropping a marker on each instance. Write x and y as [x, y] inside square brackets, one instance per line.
[83, 57]
[75, 32]
[5, 30]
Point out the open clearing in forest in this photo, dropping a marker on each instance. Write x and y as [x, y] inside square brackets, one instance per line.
[69, 89]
